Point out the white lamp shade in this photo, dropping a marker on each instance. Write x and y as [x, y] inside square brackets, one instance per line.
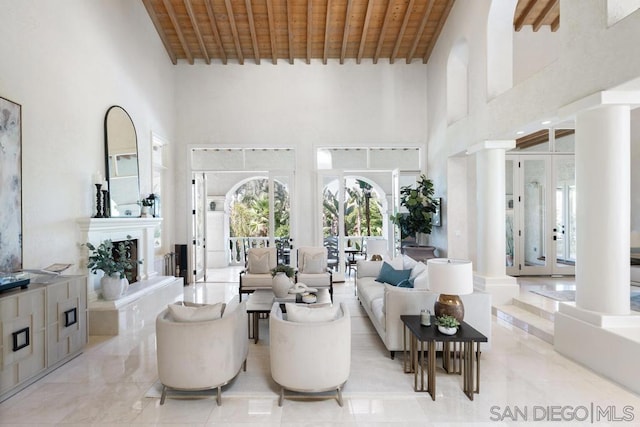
[450, 276]
[377, 247]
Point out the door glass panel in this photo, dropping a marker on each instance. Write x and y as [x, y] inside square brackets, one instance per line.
[199, 198]
[534, 212]
[509, 214]
[331, 220]
[282, 218]
[565, 218]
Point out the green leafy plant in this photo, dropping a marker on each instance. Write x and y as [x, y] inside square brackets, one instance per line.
[420, 204]
[447, 321]
[111, 258]
[282, 268]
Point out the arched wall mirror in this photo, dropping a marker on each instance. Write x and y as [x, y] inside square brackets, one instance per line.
[121, 152]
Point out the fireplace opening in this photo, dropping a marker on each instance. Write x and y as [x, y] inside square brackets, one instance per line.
[131, 274]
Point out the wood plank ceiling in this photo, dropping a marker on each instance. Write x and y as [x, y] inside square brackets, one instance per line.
[239, 30]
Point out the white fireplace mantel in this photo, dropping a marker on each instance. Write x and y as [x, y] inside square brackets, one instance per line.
[96, 230]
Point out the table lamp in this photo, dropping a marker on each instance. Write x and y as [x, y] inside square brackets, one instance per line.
[450, 278]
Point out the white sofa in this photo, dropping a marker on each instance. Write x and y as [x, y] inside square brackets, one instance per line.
[202, 355]
[385, 303]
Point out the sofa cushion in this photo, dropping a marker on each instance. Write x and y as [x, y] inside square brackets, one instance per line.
[309, 314]
[259, 263]
[313, 264]
[392, 276]
[190, 312]
[377, 309]
[369, 290]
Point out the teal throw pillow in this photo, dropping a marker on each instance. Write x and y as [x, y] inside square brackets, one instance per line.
[408, 283]
[390, 275]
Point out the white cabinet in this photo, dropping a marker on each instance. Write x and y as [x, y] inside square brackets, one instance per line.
[22, 314]
[42, 327]
[66, 319]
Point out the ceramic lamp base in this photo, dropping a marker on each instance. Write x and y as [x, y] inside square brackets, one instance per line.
[450, 305]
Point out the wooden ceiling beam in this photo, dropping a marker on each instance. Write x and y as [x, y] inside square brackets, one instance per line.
[309, 29]
[436, 33]
[403, 28]
[555, 24]
[290, 29]
[214, 30]
[252, 30]
[234, 31]
[543, 14]
[423, 24]
[365, 30]
[345, 35]
[196, 30]
[176, 25]
[524, 14]
[272, 32]
[383, 30]
[163, 37]
[327, 29]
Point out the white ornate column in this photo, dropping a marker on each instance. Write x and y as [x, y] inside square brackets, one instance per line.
[490, 269]
[600, 313]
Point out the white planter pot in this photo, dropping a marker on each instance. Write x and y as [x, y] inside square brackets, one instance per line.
[113, 286]
[422, 239]
[146, 212]
[281, 285]
[447, 331]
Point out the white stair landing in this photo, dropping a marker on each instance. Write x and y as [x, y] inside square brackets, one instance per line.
[526, 320]
[110, 317]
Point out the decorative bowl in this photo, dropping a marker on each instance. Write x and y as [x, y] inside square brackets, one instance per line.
[309, 298]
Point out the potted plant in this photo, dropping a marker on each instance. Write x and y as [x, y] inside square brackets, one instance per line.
[114, 261]
[421, 205]
[147, 204]
[447, 325]
[281, 284]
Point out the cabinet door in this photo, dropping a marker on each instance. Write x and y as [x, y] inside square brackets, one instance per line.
[22, 324]
[66, 318]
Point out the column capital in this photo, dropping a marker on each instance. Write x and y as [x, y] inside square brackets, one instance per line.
[495, 144]
[603, 98]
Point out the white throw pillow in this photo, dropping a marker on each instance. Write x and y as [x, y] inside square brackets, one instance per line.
[312, 264]
[190, 312]
[416, 269]
[309, 314]
[421, 281]
[397, 263]
[259, 264]
[408, 262]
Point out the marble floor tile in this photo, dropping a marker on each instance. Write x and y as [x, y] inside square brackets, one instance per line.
[109, 382]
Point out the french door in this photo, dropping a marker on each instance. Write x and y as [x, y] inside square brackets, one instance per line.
[540, 203]
[198, 258]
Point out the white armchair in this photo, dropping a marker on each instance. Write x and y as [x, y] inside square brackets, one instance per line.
[310, 357]
[313, 270]
[201, 355]
[257, 274]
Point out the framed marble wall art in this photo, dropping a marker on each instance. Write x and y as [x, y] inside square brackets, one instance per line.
[10, 186]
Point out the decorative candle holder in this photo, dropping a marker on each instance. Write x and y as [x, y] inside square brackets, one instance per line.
[105, 204]
[98, 202]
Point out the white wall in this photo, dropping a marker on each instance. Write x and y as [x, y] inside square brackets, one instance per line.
[66, 63]
[613, 58]
[301, 106]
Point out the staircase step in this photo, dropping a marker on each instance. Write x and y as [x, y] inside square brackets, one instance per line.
[526, 320]
[533, 308]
